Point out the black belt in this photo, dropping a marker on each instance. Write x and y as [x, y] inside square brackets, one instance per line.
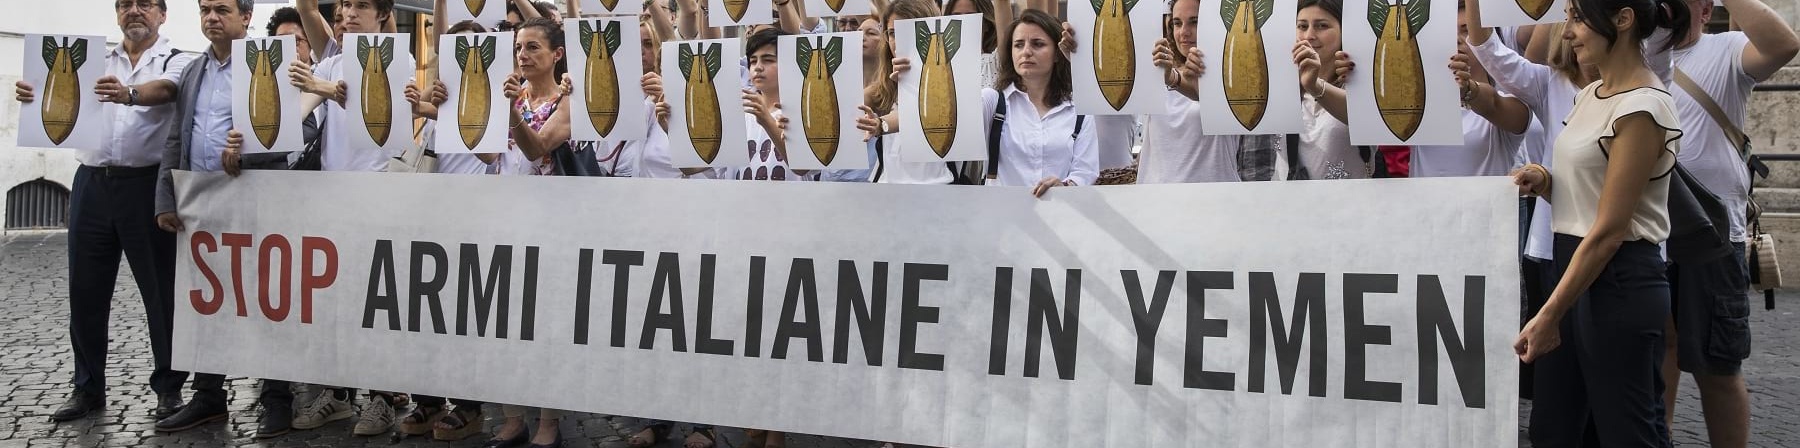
[123, 172]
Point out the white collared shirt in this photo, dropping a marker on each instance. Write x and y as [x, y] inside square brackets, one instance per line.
[1033, 147]
[212, 115]
[138, 132]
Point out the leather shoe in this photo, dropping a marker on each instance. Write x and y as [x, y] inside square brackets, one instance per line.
[196, 413]
[275, 421]
[166, 405]
[79, 405]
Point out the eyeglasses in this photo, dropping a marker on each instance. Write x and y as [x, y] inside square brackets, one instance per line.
[144, 5]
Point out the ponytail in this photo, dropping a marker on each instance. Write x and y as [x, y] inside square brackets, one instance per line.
[1677, 17]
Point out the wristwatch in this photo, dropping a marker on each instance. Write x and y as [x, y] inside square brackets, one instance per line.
[131, 98]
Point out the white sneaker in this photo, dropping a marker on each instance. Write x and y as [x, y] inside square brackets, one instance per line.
[377, 418]
[323, 410]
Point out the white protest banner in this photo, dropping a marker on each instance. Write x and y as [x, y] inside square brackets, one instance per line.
[264, 105]
[706, 118]
[376, 71]
[1402, 92]
[1112, 67]
[65, 112]
[834, 8]
[474, 68]
[611, 7]
[940, 95]
[1252, 90]
[1251, 315]
[1507, 13]
[722, 13]
[605, 62]
[488, 13]
[821, 86]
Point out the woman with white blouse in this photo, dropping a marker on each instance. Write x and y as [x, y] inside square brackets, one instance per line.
[1609, 188]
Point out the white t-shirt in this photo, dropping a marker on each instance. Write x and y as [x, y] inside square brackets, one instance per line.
[1487, 150]
[765, 162]
[1579, 175]
[335, 153]
[1716, 63]
[1113, 137]
[1550, 97]
[455, 163]
[1177, 149]
[890, 169]
[1325, 148]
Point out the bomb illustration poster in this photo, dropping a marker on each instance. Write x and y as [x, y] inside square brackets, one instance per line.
[834, 8]
[940, 103]
[1250, 86]
[474, 68]
[1112, 64]
[1506, 13]
[485, 12]
[65, 113]
[375, 76]
[740, 12]
[821, 86]
[1402, 92]
[264, 104]
[706, 119]
[604, 62]
[611, 7]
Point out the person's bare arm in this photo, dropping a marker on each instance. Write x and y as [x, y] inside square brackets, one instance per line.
[1772, 40]
[1003, 16]
[1538, 50]
[792, 20]
[527, 11]
[660, 22]
[1630, 165]
[537, 144]
[314, 25]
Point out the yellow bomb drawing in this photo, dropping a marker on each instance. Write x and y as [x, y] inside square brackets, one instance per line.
[1399, 76]
[1246, 64]
[1115, 67]
[937, 83]
[474, 56]
[703, 122]
[265, 90]
[818, 94]
[835, 5]
[1535, 8]
[376, 54]
[602, 80]
[62, 87]
[736, 9]
[475, 6]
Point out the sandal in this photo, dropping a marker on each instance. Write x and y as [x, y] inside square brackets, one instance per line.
[708, 434]
[456, 425]
[658, 434]
[419, 421]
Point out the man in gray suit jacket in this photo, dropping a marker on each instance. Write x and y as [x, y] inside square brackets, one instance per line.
[201, 139]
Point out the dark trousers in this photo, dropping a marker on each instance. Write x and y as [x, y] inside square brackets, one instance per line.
[110, 215]
[1603, 385]
[209, 388]
[438, 402]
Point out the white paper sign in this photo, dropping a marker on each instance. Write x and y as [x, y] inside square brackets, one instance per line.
[821, 87]
[1092, 317]
[265, 106]
[376, 69]
[1504, 13]
[612, 7]
[1113, 72]
[941, 118]
[485, 12]
[604, 60]
[1402, 92]
[706, 113]
[834, 8]
[721, 13]
[65, 112]
[474, 68]
[1250, 86]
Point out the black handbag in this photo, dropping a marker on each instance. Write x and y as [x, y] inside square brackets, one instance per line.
[577, 160]
[1699, 223]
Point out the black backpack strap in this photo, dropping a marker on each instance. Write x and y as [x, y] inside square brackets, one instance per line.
[995, 126]
[173, 52]
[1296, 171]
[880, 161]
[1079, 119]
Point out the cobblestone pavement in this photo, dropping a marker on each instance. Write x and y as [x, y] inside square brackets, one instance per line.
[35, 368]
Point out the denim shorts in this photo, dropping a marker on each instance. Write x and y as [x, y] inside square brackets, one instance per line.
[1712, 314]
